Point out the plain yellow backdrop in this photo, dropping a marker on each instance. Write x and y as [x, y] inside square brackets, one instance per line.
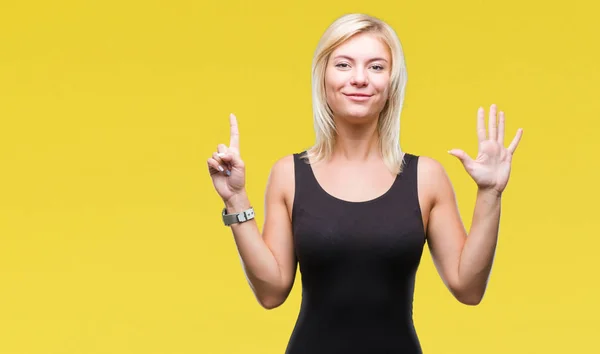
[111, 239]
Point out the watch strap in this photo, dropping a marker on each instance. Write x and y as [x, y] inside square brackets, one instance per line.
[234, 218]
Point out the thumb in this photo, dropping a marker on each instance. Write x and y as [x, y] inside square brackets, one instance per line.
[461, 155]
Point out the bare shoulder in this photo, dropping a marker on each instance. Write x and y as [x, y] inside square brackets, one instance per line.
[282, 172]
[284, 165]
[433, 185]
[431, 173]
[281, 179]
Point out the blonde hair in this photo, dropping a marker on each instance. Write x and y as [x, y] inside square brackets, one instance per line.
[388, 126]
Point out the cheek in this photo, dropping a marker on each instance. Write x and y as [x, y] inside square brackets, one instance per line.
[332, 88]
[386, 93]
[333, 83]
[382, 84]
[384, 90]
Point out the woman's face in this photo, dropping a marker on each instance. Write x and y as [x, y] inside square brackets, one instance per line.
[357, 78]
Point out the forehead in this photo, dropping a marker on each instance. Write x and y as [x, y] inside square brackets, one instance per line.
[363, 46]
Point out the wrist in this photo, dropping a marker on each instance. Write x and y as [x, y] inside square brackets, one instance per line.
[237, 203]
[490, 193]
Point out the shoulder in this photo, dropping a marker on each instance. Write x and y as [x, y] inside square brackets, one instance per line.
[432, 177]
[430, 167]
[283, 167]
[281, 177]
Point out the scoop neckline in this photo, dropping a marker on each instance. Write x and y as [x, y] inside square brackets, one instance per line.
[368, 201]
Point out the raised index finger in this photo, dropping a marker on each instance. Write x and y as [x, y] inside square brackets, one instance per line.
[234, 140]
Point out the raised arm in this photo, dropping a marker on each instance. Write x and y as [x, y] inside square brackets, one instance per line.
[465, 261]
[268, 260]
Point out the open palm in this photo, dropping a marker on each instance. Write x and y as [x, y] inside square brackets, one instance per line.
[491, 168]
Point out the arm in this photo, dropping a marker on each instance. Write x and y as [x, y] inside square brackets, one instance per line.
[268, 260]
[465, 261]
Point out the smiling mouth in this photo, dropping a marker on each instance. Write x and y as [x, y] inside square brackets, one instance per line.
[358, 97]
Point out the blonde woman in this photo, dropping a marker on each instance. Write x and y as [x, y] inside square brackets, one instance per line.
[354, 211]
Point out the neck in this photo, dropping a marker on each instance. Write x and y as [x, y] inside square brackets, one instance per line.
[356, 143]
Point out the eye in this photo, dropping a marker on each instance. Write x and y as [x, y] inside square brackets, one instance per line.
[378, 67]
[342, 65]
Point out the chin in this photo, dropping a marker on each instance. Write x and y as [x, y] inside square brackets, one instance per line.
[359, 114]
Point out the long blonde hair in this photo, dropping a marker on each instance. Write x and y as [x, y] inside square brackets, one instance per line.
[388, 126]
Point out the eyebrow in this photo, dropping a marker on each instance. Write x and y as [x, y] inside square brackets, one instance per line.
[349, 58]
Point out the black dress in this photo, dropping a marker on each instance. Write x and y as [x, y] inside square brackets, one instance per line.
[358, 262]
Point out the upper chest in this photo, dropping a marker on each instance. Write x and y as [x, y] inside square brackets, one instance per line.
[354, 184]
[359, 185]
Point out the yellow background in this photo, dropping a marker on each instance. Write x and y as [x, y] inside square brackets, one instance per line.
[110, 233]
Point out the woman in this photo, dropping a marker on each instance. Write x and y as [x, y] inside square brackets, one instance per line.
[354, 211]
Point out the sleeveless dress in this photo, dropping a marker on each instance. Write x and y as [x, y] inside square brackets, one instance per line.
[358, 262]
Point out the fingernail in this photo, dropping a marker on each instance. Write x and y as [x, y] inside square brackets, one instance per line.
[228, 173]
[221, 154]
[221, 168]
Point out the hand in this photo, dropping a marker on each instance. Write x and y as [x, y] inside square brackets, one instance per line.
[226, 168]
[491, 169]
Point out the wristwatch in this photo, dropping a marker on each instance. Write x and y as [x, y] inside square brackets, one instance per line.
[229, 219]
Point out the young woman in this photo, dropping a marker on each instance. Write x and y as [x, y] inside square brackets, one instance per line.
[354, 211]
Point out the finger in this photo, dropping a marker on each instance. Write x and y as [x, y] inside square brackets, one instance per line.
[461, 155]
[234, 140]
[515, 142]
[219, 158]
[228, 158]
[480, 125]
[493, 134]
[501, 128]
[222, 151]
[214, 167]
[224, 165]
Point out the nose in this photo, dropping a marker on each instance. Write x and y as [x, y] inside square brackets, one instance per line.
[359, 78]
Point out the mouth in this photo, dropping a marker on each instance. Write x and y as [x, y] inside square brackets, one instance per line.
[358, 96]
